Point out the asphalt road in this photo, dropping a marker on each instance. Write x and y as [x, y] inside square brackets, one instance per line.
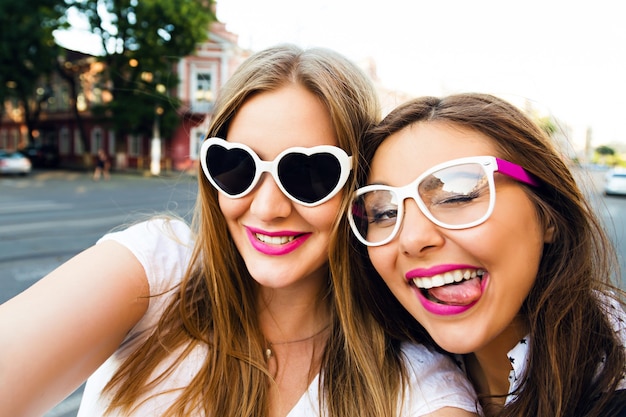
[610, 209]
[48, 217]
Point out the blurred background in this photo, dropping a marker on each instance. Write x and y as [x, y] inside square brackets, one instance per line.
[118, 75]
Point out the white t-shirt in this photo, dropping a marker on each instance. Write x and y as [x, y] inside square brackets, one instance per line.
[163, 248]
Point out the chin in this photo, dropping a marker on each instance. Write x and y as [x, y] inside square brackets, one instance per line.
[459, 343]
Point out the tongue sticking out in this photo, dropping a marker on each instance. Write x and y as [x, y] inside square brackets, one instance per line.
[463, 293]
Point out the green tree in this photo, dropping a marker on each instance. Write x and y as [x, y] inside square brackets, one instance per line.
[28, 54]
[606, 155]
[605, 150]
[141, 42]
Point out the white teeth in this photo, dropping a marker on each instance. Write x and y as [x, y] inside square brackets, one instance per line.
[449, 277]
[274, 240]
[437, 281]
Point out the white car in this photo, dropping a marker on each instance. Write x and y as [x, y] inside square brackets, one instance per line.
[14, 163]
[615, 182]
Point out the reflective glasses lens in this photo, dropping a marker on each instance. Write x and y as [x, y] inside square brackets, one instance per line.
[233, 170]
[309, 178]
[456, 196]
[374, 215]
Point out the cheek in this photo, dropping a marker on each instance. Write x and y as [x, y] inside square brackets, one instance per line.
[233, 208]
[321, 218]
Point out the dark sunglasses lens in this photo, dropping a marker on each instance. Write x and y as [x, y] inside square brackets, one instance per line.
[309, 178]
[232, 169]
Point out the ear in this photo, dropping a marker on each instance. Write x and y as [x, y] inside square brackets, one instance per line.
[549, 232]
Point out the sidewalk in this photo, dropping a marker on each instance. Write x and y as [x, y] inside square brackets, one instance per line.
[70, 175]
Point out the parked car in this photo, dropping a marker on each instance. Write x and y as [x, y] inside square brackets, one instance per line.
[45, 156]
[14, 163]
[615, 182]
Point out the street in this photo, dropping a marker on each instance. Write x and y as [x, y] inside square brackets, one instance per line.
[48, 217]
[611, 210]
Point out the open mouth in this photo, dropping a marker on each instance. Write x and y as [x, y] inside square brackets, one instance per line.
[460, 287]
[274, 240]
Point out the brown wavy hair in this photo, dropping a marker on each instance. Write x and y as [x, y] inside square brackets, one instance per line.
[215, 305]
[566, 309]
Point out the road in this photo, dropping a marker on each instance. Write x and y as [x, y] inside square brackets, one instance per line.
[610, 209]
[50, 216]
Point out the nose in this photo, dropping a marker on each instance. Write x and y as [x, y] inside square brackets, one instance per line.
[417, 235]
[268, 201]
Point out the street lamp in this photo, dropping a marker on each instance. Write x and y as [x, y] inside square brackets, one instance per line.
[155, 144]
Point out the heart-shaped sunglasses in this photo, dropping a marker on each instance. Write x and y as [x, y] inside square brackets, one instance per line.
[307, 176]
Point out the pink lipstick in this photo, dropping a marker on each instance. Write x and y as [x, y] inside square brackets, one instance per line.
[436, 270]
[448, 289]
[275, 243]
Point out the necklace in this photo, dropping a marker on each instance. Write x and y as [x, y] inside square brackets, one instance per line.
[268, 350]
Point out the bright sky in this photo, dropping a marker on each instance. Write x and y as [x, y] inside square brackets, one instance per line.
[566, 57]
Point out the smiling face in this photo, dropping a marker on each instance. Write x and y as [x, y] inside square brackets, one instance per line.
[496, 261]
[284, 244]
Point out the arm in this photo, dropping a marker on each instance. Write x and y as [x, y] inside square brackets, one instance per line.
[57, 332]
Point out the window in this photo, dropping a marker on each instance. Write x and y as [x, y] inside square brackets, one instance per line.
[195, 140]
[78, 144]
[64, 141]
[97, 141]
[4, 139]
[203, 88]
[14, 139]
[63, 98]
[111, 150]
[134, 145]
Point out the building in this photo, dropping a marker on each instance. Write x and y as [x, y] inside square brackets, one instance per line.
[59, 128]
[201, 77]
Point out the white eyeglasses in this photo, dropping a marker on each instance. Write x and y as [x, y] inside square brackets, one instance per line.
[307, 176]
[457, 194]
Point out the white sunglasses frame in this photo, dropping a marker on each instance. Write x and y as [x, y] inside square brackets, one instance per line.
[490, 164]
[271, 167]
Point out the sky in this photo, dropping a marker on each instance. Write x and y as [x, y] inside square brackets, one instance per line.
[565, 58]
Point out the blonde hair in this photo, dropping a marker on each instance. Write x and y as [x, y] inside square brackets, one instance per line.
[215, 305]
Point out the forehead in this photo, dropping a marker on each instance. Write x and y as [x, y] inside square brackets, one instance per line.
[407, 153]
[272, 121]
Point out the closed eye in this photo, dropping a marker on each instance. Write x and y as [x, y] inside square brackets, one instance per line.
[452, 199]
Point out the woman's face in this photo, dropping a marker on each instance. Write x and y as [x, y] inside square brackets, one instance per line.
[507, 247]
[284, 244]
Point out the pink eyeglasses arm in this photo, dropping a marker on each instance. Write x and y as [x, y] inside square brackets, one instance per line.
[515, 171]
